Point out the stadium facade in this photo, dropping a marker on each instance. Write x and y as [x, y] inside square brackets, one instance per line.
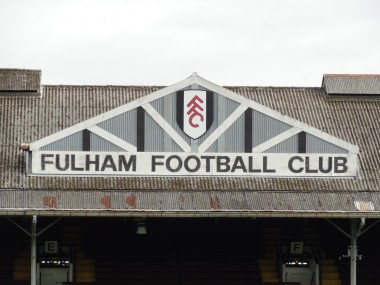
[192, 151]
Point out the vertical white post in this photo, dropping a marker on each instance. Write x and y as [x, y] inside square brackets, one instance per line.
[353, 255]
[33, 256]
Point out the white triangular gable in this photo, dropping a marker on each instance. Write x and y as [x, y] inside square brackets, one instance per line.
[244, 104]
[193, 156]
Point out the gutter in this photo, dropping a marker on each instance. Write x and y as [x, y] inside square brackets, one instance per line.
[188, 214]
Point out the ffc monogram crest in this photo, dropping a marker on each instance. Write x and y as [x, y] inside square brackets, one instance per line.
[194, 112]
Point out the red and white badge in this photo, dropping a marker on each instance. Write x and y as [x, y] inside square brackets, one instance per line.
[194, 107]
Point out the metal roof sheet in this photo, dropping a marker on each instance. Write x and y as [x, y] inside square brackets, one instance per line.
[20, 80]
[352, 84]
[189, 203]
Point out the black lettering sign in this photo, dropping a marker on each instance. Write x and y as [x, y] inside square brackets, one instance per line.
[208, 161]
[44, 161]
[291, 166]
[174, 164]
[307, 166]
[250, 166]
[265, 166]
[58, 164]
[125, 165]
[94, 162]
[108, 163]
[222, 164]
[340, 164]
[168, 163]
[197, 165]
[155, 162]
[322, 166]
[239, 164]
[73, 166]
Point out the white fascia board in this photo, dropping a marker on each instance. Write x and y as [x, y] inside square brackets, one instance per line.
[112, 139]
[167, 128]
[275, 140]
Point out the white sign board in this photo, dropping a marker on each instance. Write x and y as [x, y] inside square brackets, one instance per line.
[63, 163]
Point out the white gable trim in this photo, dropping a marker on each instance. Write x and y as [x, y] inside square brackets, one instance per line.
[83, 125]
[275, 140]
[112, 139]
[57, 136]
[304, 127]
[222, 128]
[223, 91]
[352, 149]
[167, 128]
[194, 79]
[113, 113]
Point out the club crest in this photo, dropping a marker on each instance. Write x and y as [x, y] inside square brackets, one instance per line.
[194, 112]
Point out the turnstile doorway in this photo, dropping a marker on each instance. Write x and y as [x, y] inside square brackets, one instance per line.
[299, 264]
[54, 271]
[54, 265]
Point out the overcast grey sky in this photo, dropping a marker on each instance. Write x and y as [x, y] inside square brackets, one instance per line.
[160, 42]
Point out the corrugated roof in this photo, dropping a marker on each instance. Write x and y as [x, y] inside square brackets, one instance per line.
[190, 203]
[20, 80]
[352, 84]
[26, 119]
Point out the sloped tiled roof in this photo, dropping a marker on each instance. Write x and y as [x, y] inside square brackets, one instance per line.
[352, 84]
[24, 119]
[22, 80]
